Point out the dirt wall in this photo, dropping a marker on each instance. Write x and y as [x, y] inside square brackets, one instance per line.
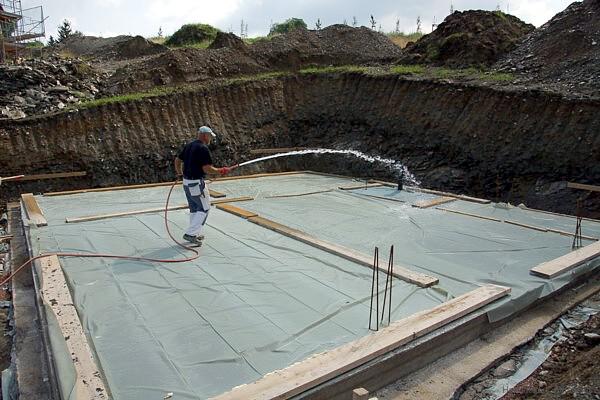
[506, 145]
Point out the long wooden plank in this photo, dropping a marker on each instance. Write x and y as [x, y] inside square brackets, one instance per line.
[279, 196]
[469, 214]
[591, 188]
[149, 210]
[55, 175]
[522, 207]
[522, 225]
[240, 212]
[264, 175]
[439, 193]
[56, 294]
[400, 272]
[563, 264]
[34, 212]
[434, 202]
[109, 189]
[6, 238]
[565, 233]
[361, 186]
[302, 376]
[277, 150]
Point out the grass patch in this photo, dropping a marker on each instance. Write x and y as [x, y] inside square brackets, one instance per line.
[199, 45]
[258, 39]
[333, 70]
[256, 78]
[124, 98]
[408, 69]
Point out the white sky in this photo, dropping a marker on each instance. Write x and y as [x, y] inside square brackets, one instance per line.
[144, 17]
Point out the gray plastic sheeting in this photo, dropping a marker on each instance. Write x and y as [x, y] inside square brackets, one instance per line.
[256, 301]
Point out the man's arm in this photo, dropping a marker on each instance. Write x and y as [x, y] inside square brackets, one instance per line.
[178, 166]
[209, 169]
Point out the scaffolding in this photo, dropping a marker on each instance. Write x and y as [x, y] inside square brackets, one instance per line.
[18, 27]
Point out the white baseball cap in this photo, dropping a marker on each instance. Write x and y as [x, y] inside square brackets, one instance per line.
[206, 129]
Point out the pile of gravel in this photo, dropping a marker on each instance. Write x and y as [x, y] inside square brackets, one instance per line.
[114, 48]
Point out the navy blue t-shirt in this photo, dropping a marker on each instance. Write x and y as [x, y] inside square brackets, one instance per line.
[194, 155]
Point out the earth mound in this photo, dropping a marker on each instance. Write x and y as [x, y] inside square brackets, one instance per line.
[228, 40]
[564, 51]
[468, 39]
[335, 45]
[114, 48]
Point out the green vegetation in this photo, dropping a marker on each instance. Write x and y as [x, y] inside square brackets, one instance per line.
[333, 70]
[192, 35]
[287, 26]
[36, 44]
[408, 69]
[257, 39]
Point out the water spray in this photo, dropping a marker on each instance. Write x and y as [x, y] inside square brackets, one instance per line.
[403, 173]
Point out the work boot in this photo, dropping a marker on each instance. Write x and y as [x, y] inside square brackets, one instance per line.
[197, 240]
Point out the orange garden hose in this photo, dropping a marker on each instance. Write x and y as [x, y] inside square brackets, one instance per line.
[106, 255]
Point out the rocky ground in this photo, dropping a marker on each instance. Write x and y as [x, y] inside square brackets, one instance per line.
[468, 39]
[42, 86]
[564, 52]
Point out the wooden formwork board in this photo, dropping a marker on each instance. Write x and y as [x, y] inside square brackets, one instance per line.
[591, 188]
[563, 264]
[434, 202]
[307, 374]
[55, 293]
[240, 212]
[33, 210]
[400, 272]
[149, 210]
[360, 186]
[55, 175]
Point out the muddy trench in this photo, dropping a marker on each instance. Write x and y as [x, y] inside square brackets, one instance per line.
[514, 146]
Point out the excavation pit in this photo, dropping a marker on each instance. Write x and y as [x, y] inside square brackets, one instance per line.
[283, 283]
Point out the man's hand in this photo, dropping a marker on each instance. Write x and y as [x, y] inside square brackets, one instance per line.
[226, 170]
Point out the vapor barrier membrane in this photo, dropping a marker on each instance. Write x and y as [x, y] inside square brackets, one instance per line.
[464, 252]
[254, 302]
[257, 301]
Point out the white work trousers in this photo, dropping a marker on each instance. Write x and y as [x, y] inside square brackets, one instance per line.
[198, 197]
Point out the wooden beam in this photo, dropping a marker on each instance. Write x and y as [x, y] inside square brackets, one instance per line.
[56, 295]
[433, 202]
[6, 238]
[591, 188]
[264, 175]
[400, 272]
[535, 228]
[522, 207]
[563, 264]
[54, 175]
[468, 214]
[277, 150]
[361, 186]
[439, 193]
[109, 189]
[34, 212]
[148, 210]
[565, 233]
[279, 196]
[317, 369]
[216, 195]
[240, 212]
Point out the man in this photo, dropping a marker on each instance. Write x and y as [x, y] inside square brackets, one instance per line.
[193, 163]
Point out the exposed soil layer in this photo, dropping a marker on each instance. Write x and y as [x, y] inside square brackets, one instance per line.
[517, 146]
[571, 371]
[469, 39]
[565, 51]
[334, 45]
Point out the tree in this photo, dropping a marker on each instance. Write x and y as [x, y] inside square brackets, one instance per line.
[318, 24]
[345, 22]
[380, 30]
[287, 26]
[373, 22]
[64, 31]
[242, 28]
[451, 8]
[354, 22]
[160, 32]
[397, 26]
[51, 41]
[419, 24]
